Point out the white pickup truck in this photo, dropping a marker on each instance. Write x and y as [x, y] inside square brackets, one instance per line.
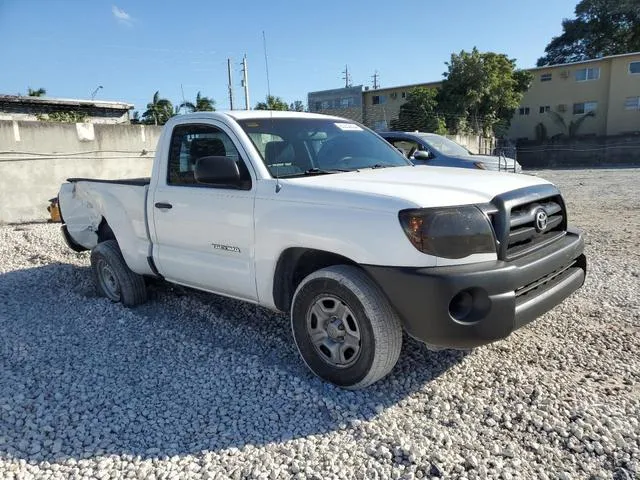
[320, 217]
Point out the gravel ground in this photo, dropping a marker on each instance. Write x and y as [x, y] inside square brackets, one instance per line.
[198, 386]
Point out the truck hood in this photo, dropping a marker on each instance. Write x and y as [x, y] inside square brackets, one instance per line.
[424, 186]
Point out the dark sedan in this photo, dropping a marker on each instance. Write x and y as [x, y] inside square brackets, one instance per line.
[436, 150]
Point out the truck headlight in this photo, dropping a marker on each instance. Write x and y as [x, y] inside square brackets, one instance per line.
[451, 232]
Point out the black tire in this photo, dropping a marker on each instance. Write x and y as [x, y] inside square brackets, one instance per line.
[114, 279]
[363, 316]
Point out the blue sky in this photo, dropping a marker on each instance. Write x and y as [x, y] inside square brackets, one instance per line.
[135, 47]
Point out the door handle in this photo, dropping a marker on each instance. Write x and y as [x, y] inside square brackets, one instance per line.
[163, 205]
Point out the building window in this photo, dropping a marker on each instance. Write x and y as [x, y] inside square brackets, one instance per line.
[634, 68]
[545, 77]
[584, 74]
[404, 94]
[318, 105]
[325, 104]
[632, 103]
[584, 107]
[544, 108]
[524, 111]
[346, 102]
[379, 99]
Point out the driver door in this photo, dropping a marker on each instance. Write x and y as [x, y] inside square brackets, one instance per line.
[203, 233]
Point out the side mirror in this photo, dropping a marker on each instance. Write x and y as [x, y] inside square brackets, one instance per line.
[422, 155]
[219, 171]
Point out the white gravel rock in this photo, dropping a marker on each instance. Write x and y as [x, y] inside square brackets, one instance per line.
[191, 385]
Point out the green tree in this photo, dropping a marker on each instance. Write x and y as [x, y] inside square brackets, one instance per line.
[481, 91]
[202, 104]
[135, 118]
[159, 110]
[41, 92]
[601, 28]
[419, 112]
[297, 106]
[272, 103]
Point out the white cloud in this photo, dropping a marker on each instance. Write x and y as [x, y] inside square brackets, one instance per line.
[121, 16]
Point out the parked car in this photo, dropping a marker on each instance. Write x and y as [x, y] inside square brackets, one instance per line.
[436, 150]
[318, 216]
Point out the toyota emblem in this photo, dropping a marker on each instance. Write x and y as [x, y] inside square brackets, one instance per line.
[541, 220]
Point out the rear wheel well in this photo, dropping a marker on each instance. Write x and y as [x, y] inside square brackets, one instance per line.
[294, 265]
[104, 231]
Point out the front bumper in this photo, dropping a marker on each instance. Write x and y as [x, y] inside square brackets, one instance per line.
[506, 295]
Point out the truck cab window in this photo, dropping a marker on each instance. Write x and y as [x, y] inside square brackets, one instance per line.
[191, 142]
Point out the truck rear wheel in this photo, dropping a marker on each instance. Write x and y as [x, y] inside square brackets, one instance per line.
[114, 279]
[344, 327]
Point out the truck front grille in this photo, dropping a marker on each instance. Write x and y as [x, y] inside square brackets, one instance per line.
[528, 219]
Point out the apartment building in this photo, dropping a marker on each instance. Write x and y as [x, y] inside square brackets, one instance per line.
[342, 102]
[560, 94]
[609, 86]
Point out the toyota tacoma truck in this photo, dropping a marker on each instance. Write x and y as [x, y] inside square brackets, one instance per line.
[320, 217]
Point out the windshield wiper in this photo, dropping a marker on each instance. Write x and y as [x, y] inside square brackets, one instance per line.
[320, 171]
[379, 165]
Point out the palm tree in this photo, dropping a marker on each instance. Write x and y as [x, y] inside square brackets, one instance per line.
[41, 92]
[203, 104]
[570, 129]
[158, 111]
[272, 103]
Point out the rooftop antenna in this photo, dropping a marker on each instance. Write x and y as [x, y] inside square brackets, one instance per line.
[347, 77]
[375, 77]
[266, 66]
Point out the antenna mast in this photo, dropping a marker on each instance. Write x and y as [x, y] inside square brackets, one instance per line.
[266, 62]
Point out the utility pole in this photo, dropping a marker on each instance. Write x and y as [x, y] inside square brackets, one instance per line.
[245, 82]
[375, 77]
[230, 84]
[347, 77]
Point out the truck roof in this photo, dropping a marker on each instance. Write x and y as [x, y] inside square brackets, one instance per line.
[258, 114]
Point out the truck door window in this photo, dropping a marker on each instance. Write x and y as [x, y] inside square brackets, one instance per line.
[191, 142]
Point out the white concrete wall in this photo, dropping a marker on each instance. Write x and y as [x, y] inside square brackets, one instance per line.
[474, 143]
[37, 157]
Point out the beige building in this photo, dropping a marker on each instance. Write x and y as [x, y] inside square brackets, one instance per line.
[609, 86]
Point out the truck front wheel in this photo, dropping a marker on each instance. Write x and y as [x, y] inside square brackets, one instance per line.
[114, 278]
[344, 327]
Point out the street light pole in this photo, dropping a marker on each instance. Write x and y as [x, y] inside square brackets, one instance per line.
[93, 95]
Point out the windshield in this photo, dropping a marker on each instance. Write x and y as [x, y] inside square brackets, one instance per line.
[302, 146]
[445, 146]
